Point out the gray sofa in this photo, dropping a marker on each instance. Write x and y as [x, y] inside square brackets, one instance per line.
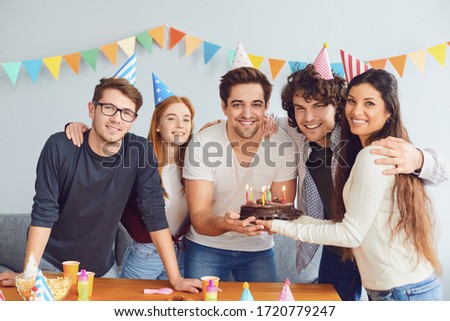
[13, 229]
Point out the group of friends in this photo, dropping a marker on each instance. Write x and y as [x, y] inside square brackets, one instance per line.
[341, 151]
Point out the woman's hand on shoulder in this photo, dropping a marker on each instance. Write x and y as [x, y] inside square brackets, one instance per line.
[211, 123]
[74, 131]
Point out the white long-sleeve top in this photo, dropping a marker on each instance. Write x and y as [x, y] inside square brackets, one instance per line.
[383, 262]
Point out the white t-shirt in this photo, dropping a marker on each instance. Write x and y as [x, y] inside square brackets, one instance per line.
[176, 206]
[383, 262]
[210, 157]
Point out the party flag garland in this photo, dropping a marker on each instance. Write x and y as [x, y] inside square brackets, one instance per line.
[158, 35]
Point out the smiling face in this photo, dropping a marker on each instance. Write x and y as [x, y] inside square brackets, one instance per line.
[314, 119]
[365, 111]
[175, 124]
[245, 109]
[108, 129]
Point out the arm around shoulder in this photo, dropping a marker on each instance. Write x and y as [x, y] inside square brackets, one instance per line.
[435, 169]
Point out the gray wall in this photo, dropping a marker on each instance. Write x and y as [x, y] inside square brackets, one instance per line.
[291, 30]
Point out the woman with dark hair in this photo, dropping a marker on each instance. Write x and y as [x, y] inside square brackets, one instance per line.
[385, 221]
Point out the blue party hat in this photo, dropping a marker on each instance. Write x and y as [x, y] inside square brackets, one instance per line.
[246, 294]
[128, 70]
[160, 90]
[43, 290]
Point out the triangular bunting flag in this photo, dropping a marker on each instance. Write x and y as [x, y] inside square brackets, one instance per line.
[175, 37]
[110, 52]
[378, 64]
[90, 56]
[352, 66]
[73, 60]
[418, 58]
[275, 66]
[192, 44]
[32, 67]
[43, 290]
[338, 69]
[53, 64]
[399, 63]
[12, 70]
[128, 45]
[256, 60]
[128, 70]
[438, 52]
[158, 35]
[296, 65]
[146, 41]
[209, 50]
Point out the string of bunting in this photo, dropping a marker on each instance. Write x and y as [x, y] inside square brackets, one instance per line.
[158, 35]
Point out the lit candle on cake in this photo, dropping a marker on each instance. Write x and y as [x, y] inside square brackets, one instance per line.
[269, 195]
[283, 189]
[263, 197]
[246, 193]
[251, 194]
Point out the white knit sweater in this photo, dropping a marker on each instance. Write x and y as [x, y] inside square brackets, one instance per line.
[383, 262]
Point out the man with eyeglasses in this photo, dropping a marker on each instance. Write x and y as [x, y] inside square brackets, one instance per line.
[81, 192]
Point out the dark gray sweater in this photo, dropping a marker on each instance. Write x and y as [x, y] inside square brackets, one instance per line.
[82, 196]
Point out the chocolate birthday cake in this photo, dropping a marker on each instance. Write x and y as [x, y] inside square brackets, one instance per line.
[274, 209]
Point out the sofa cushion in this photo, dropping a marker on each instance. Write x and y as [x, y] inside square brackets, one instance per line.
[13, 240]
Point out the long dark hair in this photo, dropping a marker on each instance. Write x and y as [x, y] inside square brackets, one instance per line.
[413, 203]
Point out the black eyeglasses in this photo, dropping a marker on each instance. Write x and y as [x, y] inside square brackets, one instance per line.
[110, 110]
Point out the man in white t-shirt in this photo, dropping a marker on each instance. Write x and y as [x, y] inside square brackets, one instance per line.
[221, 161]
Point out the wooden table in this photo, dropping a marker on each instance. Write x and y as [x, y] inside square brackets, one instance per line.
[133, 290]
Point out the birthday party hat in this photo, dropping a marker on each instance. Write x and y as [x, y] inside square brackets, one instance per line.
[160, 90]
[286, 294]
[241, 58]
[128, 70]
[246, 294]
[31, 268]
[43, 292]
[322, 64]
[352, 66]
